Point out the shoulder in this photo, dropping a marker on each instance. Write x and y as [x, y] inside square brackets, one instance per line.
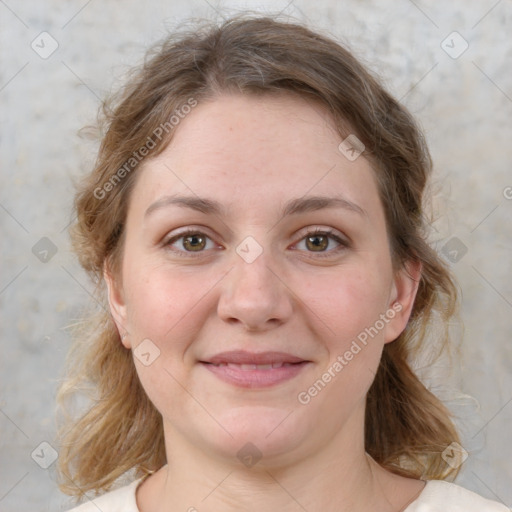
[119, 500]
[441, 496]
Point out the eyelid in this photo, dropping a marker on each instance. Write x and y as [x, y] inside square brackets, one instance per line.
[186, 230]
[322, 230]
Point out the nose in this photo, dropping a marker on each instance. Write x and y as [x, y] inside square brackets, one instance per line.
[255, 295]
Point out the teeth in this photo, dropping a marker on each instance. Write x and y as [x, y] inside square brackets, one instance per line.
[260, 366]
[243, 366]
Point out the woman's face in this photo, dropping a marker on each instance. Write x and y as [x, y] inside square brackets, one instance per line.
[252, 179]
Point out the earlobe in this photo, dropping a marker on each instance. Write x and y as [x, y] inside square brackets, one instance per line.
[405, 288]
[117, 305]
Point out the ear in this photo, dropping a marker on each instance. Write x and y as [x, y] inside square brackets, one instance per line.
[117, 304]
[403, 294]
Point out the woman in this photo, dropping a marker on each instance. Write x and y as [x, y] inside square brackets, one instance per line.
[256, 228]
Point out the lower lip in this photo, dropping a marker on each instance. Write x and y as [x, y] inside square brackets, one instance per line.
[256, 378]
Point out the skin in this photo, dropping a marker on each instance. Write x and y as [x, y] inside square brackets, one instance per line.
[252, 154]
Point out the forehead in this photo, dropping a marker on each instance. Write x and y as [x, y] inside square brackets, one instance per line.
[252, 151]
[254, 129]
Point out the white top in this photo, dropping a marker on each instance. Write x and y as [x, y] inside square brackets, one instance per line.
[436, 496]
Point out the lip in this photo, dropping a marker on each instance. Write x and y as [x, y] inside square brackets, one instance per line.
[255, 370]
[245, 357]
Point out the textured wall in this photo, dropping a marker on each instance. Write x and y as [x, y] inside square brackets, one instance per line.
[459, 85]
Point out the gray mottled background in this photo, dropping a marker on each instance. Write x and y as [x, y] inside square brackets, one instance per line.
[462, 97]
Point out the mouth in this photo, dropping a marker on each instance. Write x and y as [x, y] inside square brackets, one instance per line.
[249, 366]
[255, 370]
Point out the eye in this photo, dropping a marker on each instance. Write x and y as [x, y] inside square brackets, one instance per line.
[194, 242]
[318, 241]
[191, 241]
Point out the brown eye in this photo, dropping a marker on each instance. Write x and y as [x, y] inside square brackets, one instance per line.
[317, 243]
[195, 242]
[189, 242]
[321, 242]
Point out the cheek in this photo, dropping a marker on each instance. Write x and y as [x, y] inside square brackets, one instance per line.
[347, 302]
[160, 302]
[348, 306]
[347, 317]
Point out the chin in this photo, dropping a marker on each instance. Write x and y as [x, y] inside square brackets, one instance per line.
[268, 434]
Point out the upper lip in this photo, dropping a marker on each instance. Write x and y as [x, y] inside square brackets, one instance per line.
[245, 357]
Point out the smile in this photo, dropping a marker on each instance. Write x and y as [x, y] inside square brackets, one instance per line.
[255, 370]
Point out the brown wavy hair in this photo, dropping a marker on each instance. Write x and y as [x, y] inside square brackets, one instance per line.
[406, 426]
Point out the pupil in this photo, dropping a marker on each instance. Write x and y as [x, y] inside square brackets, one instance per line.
[194, 239]
[314, 241]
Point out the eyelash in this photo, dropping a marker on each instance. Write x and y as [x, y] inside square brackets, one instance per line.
[344, 244]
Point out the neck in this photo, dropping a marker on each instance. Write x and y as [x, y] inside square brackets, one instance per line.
[340, 477]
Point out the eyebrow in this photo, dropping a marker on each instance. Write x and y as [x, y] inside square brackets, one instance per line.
[292, 207]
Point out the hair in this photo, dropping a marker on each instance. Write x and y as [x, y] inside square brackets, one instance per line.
[406, 426]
